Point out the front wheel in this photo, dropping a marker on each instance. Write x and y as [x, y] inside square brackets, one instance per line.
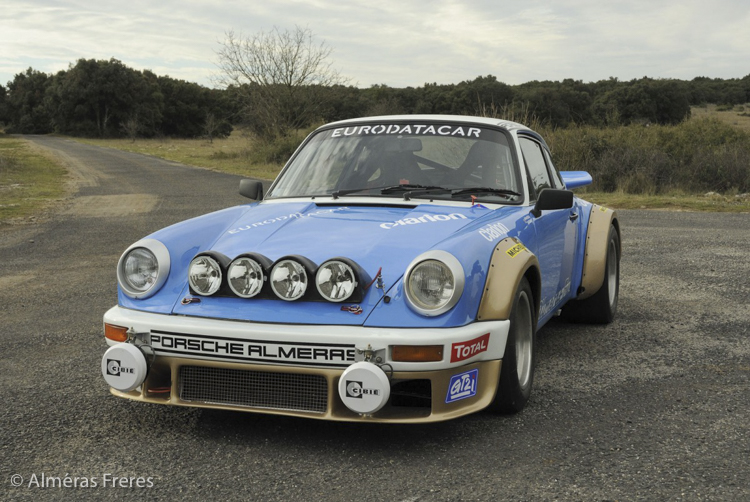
[517, 373]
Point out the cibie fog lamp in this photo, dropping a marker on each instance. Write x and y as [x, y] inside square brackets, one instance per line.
[336, 280]
[289, 280]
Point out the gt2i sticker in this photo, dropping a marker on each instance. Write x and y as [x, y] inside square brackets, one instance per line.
[461, 351]
[515, 250]
[462, 386]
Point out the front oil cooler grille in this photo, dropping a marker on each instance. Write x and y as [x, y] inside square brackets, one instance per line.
[253, 389]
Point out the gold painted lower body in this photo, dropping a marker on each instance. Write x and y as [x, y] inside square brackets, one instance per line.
[162, 386]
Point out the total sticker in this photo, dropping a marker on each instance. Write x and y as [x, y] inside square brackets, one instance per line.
[462, 386]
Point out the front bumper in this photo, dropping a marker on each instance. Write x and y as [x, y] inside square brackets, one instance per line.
[295, 369]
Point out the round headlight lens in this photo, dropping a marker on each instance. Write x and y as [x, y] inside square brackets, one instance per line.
[245, 277]
[140, 270]
[143, 269]
[289, 280]
[335, 281]
[431, 284]
[434, 282]
[204, 275]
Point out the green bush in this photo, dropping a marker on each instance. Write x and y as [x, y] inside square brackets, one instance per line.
[276, 150]
[695, 155]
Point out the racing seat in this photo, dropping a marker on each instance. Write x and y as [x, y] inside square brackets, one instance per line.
[397, 168]
[483, 166]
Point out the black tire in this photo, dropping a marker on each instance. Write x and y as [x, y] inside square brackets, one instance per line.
[602, 306]
[519, 361]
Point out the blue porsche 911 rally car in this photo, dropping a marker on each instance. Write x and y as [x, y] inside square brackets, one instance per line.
[397, 270]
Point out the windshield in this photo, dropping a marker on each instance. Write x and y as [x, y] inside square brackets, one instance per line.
[364, 159]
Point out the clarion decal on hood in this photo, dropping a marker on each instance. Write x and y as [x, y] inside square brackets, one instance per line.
[374, 236]
[369, 235]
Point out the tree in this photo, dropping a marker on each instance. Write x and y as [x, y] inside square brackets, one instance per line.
[187, 106]
[280, 76]
[214, 127]
[131, 127]
[646, 100]
[3, 106]
[469, 97]
[26, 109]
[96, 98]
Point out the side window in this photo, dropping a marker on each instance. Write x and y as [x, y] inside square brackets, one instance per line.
[555, 173]
[537, 168]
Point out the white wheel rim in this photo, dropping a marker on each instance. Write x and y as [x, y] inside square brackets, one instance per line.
[612, 271]
[524, 340]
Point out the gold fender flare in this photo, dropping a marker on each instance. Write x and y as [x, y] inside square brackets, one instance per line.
[597, 241]
[510, 262]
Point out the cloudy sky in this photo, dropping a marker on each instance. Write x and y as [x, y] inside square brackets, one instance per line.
[395, 42]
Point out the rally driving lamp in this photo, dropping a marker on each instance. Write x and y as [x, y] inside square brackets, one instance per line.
[364, 388]
[124, 365]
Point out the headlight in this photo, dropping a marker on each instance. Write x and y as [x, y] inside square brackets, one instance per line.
[204, 275]
[245, 277]
[336, 280]
[143, 268]
[289, 280]
[434, 282]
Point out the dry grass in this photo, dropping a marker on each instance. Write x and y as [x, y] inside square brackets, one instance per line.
[675, 201]
[236, 154]
[29, 180]
[737, 116]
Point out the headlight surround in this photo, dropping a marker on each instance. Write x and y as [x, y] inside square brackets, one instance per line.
[289, 279]
[204, 275]
[336, 280]
[434, 282]
[143, 268]
[246, 276]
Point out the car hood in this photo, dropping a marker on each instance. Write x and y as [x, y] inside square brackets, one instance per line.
[373, 236]
[378, 237]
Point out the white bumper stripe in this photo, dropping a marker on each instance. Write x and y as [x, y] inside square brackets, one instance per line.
[303, 345]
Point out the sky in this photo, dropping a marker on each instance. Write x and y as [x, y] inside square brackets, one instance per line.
[398, 43]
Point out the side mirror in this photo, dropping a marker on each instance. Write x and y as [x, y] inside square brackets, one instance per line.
[252, 189]
[550, 199]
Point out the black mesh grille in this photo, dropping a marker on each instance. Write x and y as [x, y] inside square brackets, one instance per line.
[254, 389]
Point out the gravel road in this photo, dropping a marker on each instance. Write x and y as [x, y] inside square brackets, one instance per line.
[655, 406]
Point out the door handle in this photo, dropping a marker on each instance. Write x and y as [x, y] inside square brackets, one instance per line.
[573, 216]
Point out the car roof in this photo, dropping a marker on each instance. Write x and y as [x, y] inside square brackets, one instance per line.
[466, 119]
[435, 118]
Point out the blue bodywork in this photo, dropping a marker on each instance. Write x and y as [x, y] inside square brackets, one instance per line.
[377, 236]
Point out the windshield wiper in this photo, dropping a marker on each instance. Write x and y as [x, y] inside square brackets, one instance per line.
[485, 190]
[386, 189]
[415, 190]
[409, 188]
